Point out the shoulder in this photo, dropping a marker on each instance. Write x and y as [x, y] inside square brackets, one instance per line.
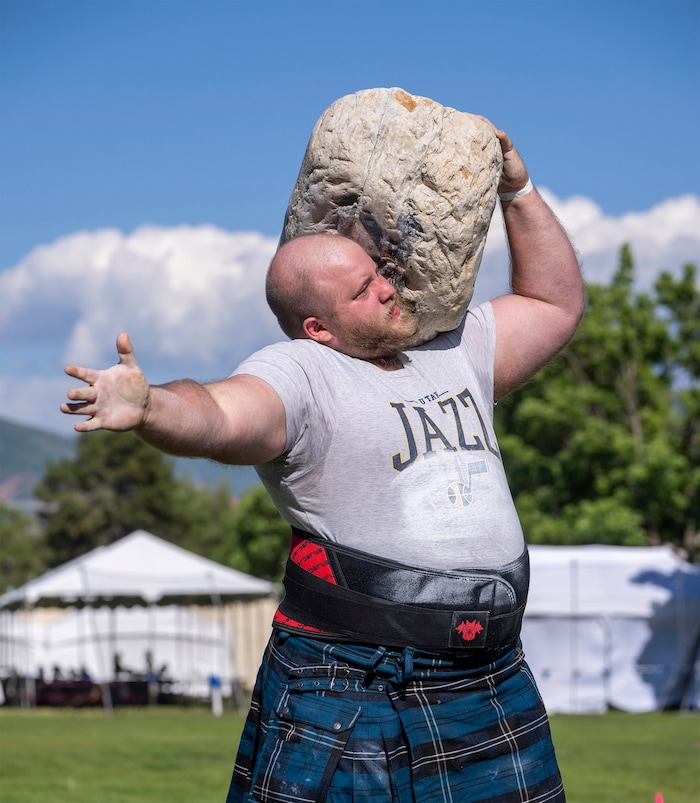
[301, 372]
[288, 355]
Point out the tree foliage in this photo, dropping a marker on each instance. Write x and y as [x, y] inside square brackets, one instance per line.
[116, 484]
[22, 552]
[261, 542]
[603, 446]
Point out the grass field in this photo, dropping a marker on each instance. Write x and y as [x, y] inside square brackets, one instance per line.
[178, 755]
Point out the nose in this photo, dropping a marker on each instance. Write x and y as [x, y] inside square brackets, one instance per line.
[386, 291]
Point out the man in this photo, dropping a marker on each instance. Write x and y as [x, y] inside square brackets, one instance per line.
[394, 672]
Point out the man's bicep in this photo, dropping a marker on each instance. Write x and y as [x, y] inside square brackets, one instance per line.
[255, 420]
[529, 333]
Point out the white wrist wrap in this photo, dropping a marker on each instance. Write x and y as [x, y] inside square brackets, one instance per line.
[511, 196]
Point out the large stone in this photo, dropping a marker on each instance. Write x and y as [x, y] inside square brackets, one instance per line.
[414, 183]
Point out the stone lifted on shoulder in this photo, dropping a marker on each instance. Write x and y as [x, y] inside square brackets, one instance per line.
[415, 184]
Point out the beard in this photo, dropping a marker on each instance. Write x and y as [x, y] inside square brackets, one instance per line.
[380, 339]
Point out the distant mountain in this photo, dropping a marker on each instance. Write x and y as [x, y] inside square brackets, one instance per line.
[25, 453]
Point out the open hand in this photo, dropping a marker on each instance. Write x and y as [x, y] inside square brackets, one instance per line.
[116, 398]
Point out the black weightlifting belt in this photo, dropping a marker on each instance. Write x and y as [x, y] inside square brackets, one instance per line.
[380, 601]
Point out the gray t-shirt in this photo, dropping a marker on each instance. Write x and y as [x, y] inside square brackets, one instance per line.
[402, 464]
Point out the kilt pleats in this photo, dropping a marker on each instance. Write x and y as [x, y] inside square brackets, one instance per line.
[347, 722]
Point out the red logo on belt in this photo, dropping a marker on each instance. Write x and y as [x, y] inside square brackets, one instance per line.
[469, 630]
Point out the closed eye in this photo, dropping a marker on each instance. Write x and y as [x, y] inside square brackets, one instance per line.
[362, 291]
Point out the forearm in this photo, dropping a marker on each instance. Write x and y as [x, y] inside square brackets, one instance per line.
[239, 421]
[544, 266]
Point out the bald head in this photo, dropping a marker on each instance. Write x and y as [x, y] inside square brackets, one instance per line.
[300, 278]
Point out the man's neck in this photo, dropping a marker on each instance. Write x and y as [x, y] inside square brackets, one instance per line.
[391, 363]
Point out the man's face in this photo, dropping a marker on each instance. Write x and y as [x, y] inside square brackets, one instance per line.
[368, 319]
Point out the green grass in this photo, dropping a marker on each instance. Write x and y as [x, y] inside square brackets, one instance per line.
[627, 758]
[173, 755]
[137, 755]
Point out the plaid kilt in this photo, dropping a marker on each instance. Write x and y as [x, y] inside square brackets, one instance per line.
[348, 722]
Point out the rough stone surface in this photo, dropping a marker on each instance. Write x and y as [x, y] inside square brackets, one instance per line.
[414, 183]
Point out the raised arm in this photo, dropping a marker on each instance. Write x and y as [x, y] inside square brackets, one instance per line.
[540, 317]
[240, 420]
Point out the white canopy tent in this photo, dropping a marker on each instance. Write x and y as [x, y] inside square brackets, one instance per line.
[613, 627]
[138, 570]
[173, 644]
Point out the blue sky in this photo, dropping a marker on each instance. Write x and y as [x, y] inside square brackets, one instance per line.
[183, 114]
[120, 113]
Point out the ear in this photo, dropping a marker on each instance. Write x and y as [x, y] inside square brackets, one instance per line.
[316, 330]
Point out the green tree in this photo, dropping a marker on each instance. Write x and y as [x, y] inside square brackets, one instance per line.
[261, 542]
[22, 551]
[602, 446]
[680, 300]
[116, 484]
[211, 516]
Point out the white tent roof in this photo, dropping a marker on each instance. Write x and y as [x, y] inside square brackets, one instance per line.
[138, 569]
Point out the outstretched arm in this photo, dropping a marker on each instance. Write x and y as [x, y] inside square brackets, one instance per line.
[240, 420]
[540, 317]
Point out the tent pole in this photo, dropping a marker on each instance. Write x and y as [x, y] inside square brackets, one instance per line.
[105, 687]
[574, 637]
[151, 679]
[607, 658]
[28, 689]
[107, 706]
[217, 651]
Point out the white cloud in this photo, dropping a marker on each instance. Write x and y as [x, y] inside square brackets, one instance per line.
[193, 301]
[190, 296]
[665, 237]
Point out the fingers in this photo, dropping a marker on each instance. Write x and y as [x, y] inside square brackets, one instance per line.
[85, 394]
[503, 139]
[82, 401]
[88, 375]
[91, 425]
[505, 142]
[126, 351]
[79, 408]
[83, 408]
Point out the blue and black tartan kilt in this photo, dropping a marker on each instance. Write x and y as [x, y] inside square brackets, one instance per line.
[347, 722]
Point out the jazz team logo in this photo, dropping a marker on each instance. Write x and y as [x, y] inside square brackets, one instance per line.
[459, 492]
